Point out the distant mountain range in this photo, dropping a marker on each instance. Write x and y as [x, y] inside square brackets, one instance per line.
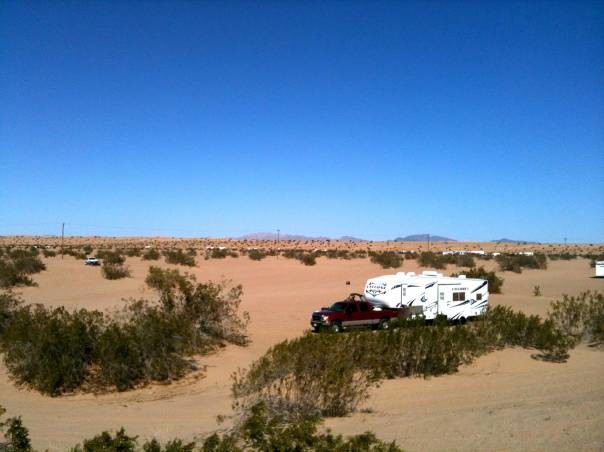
[423, 238]
[348, 238]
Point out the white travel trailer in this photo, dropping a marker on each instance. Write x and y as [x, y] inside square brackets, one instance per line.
[599, 269]
[458, 298]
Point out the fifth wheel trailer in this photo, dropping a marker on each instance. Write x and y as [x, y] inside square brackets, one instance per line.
[458, 298]
[600, 269]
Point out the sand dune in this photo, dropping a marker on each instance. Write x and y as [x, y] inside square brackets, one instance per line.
[503, 401]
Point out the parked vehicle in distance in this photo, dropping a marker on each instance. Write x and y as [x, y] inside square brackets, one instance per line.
[354, 312]
[92, 261]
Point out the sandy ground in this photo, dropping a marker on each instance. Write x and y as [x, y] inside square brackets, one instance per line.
[503, 401]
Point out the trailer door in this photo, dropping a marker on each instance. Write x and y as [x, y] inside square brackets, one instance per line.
[442, 300]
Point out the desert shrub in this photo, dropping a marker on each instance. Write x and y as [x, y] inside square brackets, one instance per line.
[495, 283]
[309, 375]
[87, 249]
[387, 259]
[76, 253]
[307, 259]
[15, 433]
[256, 255]
[56, 351]
[580, 317]
[114, 271]
[537, 291]
[106, 442]
[516, 262]
[50, 349]
[464, 260]
[217, 253]
[502, 327]
[48, 253]
[16, 266]
[110, 257]
[432, 260]
[132, 252]
[262, 430]
[179, 257]
[10, 276]
[566, 256]
[151, 254]
[327, 374]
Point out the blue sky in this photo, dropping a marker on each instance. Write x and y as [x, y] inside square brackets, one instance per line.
[474, 120]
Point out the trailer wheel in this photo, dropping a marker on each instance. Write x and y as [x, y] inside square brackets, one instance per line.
[384, 324]
[336, 327]
[462, 320]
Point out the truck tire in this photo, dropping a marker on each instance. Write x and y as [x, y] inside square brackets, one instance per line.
[336, 327]
[384, 324]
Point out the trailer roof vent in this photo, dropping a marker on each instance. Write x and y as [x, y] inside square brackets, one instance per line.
[462, 276]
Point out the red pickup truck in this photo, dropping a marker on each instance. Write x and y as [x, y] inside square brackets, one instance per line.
[354, 312]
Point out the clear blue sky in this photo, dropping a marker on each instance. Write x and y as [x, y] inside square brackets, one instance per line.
[475, 120]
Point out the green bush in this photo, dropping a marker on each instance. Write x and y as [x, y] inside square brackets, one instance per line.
[495, 283]
[387, 259]
[179, 257]
[16, 266]
[132, 252]
[49, 253]
[432, 260]
[15, 433]
[307, 259]
[217, 253]
[105, 442]
[256, 255]
[50, 349]
[516, 262]
[464, 260]
[329, 374]
[262, 430]
[110, 257]
[151, 254]
[57, 351]
[580, 317]
[114, 271]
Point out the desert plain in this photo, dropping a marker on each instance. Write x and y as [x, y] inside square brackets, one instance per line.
[505, 400]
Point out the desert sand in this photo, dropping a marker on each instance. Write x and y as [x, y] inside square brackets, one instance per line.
[503, 401]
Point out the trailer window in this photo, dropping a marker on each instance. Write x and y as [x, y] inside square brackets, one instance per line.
[364, 307]
[404, 291]
[459, 296]
[478, 297]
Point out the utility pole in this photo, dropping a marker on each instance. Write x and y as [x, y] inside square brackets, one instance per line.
[564, 241]
[62, 238]
[278, 247]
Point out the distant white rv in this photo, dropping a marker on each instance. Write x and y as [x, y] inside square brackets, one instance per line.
[599, 269]
[459, 298]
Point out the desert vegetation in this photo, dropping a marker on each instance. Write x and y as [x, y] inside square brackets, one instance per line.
[151, 254]
[516, 262]
[16, 266]
[495, 283]
[54, 350]
[256, 430]
[330, 374]
[387, 259]
[180, 257]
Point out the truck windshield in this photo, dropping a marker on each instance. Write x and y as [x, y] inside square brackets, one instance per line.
[339, 306]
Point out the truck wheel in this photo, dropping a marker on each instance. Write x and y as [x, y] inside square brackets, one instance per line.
[384, 324]
[336, 327]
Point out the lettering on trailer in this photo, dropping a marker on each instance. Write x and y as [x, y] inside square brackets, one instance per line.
[376, 288]
[458, 289]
